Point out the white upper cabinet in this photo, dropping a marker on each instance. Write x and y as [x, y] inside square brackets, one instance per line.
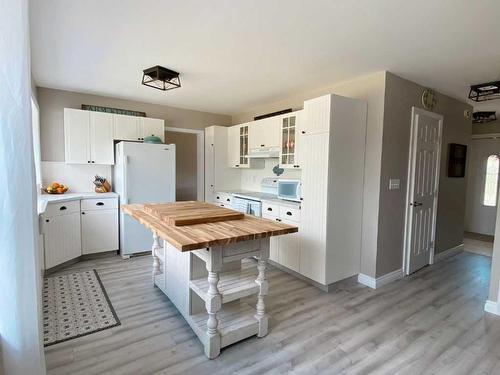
[101, 138]
[317, 115]
[237, 146]
[76, 136]
[290, 134]
[88, 137]
[151, 126]
[233, 146]
[264, 133]
[126, 128]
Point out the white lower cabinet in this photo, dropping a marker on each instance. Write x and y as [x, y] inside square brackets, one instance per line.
[62, 236]
[99, 231]
[284, 250]
[73, 228]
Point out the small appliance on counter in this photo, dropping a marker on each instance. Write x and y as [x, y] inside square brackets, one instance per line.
[289, 190]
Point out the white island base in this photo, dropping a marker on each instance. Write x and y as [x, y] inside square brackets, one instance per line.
[206, 286]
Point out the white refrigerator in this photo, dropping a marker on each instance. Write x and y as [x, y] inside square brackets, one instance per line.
[143, 173]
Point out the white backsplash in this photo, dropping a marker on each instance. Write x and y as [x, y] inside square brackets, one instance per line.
[251, 178]
[78, 177]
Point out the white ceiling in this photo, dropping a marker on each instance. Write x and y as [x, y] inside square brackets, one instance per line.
[237, 54]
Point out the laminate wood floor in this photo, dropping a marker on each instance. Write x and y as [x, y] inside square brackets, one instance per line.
[429, 323]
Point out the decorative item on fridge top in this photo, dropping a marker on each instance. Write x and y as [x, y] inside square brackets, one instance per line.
[152, 139]
[101, 185]
[56, 188]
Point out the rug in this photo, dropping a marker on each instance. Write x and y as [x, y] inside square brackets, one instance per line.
[75, 305]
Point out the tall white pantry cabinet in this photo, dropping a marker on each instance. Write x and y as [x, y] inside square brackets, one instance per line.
[332, 154]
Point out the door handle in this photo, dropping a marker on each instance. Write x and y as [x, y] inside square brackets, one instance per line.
[416, 204]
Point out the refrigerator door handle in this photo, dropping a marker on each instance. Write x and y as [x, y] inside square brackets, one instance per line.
[125, 179]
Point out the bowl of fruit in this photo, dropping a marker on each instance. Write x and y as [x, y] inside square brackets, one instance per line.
[56, 188]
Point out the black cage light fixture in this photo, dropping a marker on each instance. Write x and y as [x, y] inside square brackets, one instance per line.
[161, 78]
[485, 91]
[483, 117]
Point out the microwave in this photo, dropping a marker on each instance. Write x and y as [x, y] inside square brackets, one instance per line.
[289, 190]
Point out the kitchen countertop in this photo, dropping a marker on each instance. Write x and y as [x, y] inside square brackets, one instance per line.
[45, 199]
[198, 236]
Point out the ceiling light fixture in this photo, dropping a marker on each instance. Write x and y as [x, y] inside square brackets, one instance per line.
[482, 117]
[161, 78]
[485, 91]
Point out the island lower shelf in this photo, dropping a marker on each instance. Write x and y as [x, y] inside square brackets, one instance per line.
[236, 322]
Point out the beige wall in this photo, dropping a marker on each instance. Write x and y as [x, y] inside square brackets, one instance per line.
[52, 102]
[400, 96]
[371, 89]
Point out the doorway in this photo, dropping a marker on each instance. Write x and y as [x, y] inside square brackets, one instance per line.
[482, 193]
[422, 191]
[189, 160]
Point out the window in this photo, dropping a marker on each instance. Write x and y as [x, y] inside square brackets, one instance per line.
[491, 181]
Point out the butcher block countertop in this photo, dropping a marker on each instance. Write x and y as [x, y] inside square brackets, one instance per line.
[197, 236]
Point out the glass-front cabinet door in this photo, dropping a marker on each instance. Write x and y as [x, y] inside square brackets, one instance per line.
[289, 141]
[243, 162]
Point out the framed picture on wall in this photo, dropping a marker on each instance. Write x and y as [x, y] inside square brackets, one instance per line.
[457, 156]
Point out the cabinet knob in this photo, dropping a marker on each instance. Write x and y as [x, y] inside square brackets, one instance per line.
[278, 219]
[303, 132]
[88, 161]
[62, 208]
[99, 204]
[269, 209]
[211, 185]
[301, 198]
[217, 196]
[47, 220]
[237, 165]
[83, 213]
[93, 161]
[289, 213]
[228, 200]
[262, 145]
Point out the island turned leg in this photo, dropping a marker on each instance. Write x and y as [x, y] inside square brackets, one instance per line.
[261, 315]
[156, 261]
[213, 302]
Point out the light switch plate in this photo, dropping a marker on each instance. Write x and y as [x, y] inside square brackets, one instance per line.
[394, 184]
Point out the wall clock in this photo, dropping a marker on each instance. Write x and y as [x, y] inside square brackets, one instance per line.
[429, 99]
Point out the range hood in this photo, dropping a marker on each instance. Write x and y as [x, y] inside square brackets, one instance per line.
[264, 152]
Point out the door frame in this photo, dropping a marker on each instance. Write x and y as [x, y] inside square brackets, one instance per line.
[200, 158]
[411, 181]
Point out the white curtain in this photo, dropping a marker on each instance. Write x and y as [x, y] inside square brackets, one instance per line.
[20, 284]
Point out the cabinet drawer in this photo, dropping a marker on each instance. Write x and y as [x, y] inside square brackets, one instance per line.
[270, 209]
[61, 208]
[290, 213]
[99, 204]
[227, 199]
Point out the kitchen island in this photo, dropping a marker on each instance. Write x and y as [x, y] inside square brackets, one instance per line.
[198, 266]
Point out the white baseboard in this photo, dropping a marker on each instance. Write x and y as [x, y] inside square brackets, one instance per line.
[491, 307]
[375, 283]
[448, 253]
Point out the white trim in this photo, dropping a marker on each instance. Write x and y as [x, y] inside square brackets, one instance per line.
[410, 185]
[448, 253]
[380, 281]
[200, 158]
[491, 307]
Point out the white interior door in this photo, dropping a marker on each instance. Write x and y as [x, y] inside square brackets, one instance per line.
[423, 183]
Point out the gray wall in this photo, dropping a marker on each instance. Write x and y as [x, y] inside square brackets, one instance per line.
[400, 96]
[52, 103]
